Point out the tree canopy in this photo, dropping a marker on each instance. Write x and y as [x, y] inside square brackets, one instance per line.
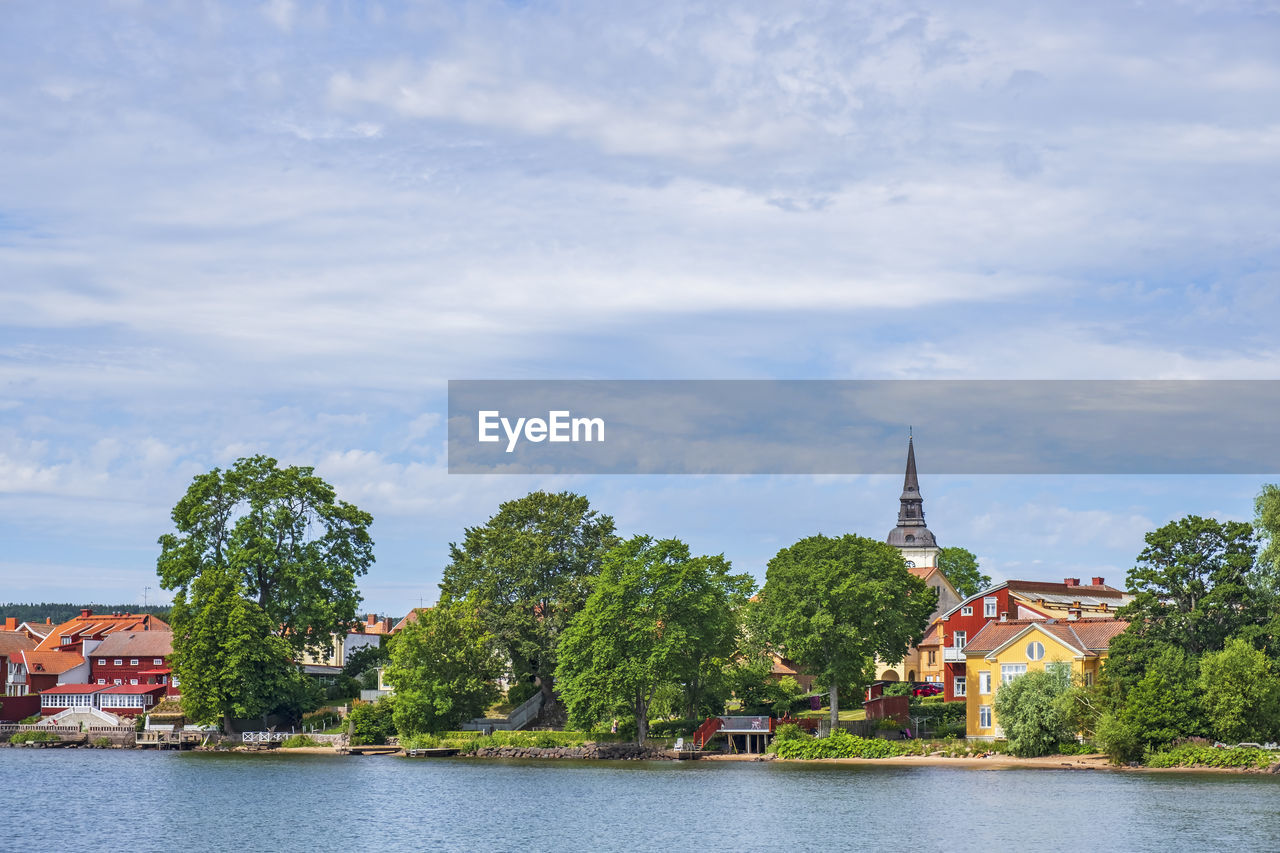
[960, 565]
[444, 668]
[527, 571]
[281, 536]
[834, 604]
[654, 614]
[1192, 584]
[1033, 711]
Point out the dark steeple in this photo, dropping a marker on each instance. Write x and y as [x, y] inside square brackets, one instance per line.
[911, 531]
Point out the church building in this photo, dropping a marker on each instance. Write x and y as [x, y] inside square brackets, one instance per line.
[919, 550]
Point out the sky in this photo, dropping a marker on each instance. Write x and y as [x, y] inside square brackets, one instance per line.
[282, 227]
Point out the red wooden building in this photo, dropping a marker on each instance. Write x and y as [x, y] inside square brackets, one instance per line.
[132, 659]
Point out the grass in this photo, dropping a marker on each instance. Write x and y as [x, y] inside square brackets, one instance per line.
[848, 714]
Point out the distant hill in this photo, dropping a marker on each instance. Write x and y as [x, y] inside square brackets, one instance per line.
[62, 611]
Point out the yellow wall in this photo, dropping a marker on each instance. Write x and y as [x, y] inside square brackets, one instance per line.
[1016, 653]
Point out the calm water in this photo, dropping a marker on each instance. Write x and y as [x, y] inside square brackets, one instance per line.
[146, 801]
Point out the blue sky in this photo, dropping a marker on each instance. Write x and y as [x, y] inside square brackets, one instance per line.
[282, 227]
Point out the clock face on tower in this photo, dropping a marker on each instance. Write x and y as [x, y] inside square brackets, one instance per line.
[911, 564]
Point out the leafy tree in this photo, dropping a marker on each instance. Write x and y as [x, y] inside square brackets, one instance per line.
[1241, 693]
[364, 659]
[444, 668]
[1032, 712]
[227, 655]
[283, 538]
[961, 568]
[653, 609]
[1165, 703]
[373, 722]
[1267, 524]
[1118, 738]
[527, 571]
[834, 604]
[1192, 584]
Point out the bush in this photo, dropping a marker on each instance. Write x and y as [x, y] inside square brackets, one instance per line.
[898, 688]
[1118, 738]
[372, 723]
[30, 721]
[1194, 755]
[298, 741]
[34, 737]
[789, 731]
[839, 744]
[101, 742]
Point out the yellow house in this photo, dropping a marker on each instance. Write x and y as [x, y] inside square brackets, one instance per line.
[1002, 651]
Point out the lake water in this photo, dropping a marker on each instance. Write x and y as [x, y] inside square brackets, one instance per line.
[90, 800]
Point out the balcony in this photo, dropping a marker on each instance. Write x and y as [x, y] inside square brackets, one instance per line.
[950, 654]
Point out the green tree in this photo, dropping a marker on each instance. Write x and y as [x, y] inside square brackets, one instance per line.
[1165, 703]
[961, 568]
[227, 655]
[282, 536]
[653, 609]
[1032, 712]
[1192, 584]
[1240, 693]
[1267, 524]
[364, 659]
[527, 571]
[834, 604]
[444, 668]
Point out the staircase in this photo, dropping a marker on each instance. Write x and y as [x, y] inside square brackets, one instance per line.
[519, 718]
[704, 732]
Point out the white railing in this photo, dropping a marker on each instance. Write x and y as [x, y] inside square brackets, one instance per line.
[951, 654]
[265, 737]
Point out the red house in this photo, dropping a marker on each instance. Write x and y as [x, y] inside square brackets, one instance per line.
[133, 659]
[37, 671]
[1016, 600]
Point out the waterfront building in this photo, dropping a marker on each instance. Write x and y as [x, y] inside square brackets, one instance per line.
[1003, 651]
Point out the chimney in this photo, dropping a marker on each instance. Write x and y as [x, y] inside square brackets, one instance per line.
[1099, 581]
[86, 612]
[1073, 614]
[386, 625]
[371, 619]
[1071, 581]
[1004, 615]
[11, 623]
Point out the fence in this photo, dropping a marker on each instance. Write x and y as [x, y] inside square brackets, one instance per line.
[266, 737]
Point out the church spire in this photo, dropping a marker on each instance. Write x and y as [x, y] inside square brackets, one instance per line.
[911, 509]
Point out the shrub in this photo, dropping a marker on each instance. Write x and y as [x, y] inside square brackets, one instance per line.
[298, 741]
[898, 688]
[30, 721]
[1194, 755]
[101, 742]
[34, 737]
[1118, 738]
[673, 728]
[839, 744]
[372, 723]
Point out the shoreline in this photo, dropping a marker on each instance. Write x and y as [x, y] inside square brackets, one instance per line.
[1095, 762]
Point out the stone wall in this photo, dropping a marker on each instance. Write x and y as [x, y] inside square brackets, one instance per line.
[605, 751]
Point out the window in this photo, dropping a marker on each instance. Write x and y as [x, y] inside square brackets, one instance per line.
[118, 681]
[984, 716]
[1060, 668]
[933, 657]
[117, 662]
[966, 611]
[102, 661]
[102, 681]
[959, 686]
[1035, 650]
[989, 607]
[1088, 679]
[133, 681]
[1010, 671]
[984, 682]
[958, 639]
[157, 661]
[133, 661]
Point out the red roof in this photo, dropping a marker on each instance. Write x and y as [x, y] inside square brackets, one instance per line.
[1087, 635]
[50, 663]
[133, 688]
[13, 642]
[93, 624]
[64, 689]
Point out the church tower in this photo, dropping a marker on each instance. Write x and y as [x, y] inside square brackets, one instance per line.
[911, 536]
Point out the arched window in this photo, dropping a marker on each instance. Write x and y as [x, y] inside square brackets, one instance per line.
[1035, 650]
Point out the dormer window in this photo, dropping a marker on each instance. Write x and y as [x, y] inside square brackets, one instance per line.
[66, 641]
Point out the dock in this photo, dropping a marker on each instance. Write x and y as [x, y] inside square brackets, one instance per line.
[439, 752]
